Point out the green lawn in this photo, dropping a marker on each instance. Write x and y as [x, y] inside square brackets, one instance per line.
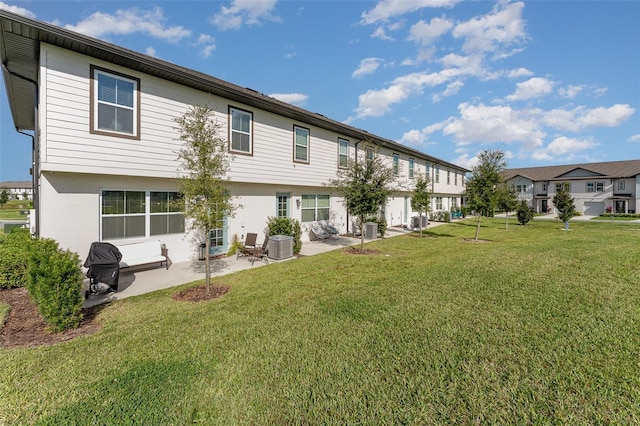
[536, 326]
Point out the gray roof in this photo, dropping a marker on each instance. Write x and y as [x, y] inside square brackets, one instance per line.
[610, 169]
[20, 39]
[16, 184]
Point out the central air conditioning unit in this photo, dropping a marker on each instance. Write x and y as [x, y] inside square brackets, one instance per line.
[415, 221]
[370, 230]
[280, 247]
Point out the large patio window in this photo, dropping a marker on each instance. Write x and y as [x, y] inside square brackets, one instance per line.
[315, 207]
[130, 214]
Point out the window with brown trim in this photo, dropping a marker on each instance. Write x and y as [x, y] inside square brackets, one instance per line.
[115, 104]
[240, 131]
[301, 142]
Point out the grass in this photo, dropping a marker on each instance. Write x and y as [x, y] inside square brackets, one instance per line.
[4, 313]
[13, 210]
[536, 326]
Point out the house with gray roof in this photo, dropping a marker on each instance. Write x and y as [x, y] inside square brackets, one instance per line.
[18, 189]
[596, 187]
[104, 146]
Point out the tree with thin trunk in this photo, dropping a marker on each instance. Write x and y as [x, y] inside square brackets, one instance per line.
[507, 200]
[365, 186]
[421, 198]
[564, 203]
[482, 186]
[203, 180]
[4, 197]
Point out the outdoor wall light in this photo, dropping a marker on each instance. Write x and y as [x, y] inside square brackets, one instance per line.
[298, 202]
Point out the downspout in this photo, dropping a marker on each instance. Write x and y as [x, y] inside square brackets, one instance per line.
[35, 148]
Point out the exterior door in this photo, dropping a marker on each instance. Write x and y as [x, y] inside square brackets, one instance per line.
[544, 206]
[218, 238]
[620, 206]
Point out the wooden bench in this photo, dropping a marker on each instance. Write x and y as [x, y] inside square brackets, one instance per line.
[143, 253]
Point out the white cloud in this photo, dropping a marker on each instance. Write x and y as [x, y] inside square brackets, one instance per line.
[494, 124]
[386, 9]
[426, 33]
[367, 66]
[291, 98]
[606, 117]
[129, 21]
[381, 34]
[635, 138]
[249, 12]
[151, 51]
[17, 10]
[419, 138]
[535, 87]
[570, 91]
[502, 27]
[563, 149]
[207, 45]
[520, 72]
[452, 89]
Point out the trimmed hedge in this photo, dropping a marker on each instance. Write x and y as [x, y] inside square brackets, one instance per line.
[14, 258]
[55, 284]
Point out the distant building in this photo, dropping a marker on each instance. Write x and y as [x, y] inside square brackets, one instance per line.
[18, 189]
[595, 187]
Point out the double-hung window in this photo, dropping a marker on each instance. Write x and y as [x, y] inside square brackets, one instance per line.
[240, 131]
[115, 104]
[396, 164]
[411, 167]
[565, 185]
[437, 174]
[315, 207]
[300, 144]
[448, 177]
[620, 185]
[166, 215]
[438, 203]
[343, 153]
[595, 187]
[129, 214]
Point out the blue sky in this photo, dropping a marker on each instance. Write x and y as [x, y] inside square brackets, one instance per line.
[548, 82]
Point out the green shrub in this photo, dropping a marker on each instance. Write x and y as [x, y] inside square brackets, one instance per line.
[524, 213]
[14, 258]
[55, 284]
[235, 245]
[286, 226]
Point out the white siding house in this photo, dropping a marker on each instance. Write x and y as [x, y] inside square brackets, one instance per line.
[595, 187]
[18, 190]
[105, 146]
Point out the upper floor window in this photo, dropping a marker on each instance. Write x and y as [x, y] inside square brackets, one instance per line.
[566, 185]
[369, 153]
[411, 167]
[115, 104]
[455, 178]
[521, 188]
[620, 185]
[595, 186]
[544, 187]
[448, 177]
[396, 164]
[437, 174]
[343, 153]
[241, 131]
[427, 170]
[300, 144]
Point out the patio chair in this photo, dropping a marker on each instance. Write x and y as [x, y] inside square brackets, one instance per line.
[248, 246]
[261, 252]
[319, 233]
[332, 231]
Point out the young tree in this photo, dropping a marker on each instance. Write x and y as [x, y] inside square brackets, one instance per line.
[365, 185]
[421, 198]
[524, 213]
[482, 187]
[4, 197]
[507, 200]
[204, 165]
[564, 203]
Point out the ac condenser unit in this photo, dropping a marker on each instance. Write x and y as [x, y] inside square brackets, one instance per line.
[280, 247]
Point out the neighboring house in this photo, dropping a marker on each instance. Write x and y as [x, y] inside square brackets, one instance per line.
[105, 144]
[595, 187]
[18, 189]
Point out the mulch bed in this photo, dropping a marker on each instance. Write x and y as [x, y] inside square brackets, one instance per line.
[199, 293]
[25, 327]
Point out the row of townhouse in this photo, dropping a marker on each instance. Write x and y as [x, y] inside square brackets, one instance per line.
[105, 146]
[18, 189]
[597, 188]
